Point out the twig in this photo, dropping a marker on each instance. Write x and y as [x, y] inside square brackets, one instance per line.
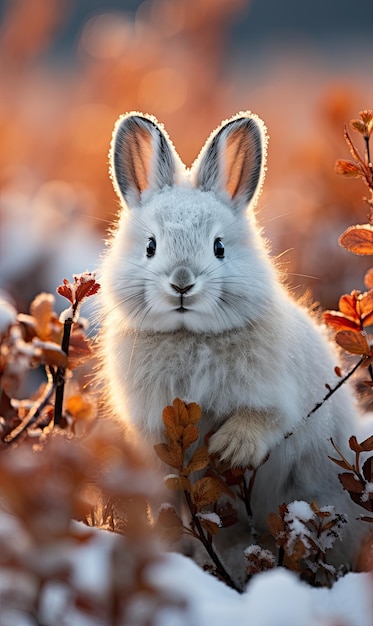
[34, 412]
[338, 385]
[332, 390]
[220, 569]
[61, 371]
[367, 150]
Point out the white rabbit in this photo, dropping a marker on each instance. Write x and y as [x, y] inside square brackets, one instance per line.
[193, 307]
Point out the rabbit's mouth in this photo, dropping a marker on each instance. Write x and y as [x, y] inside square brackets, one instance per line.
[181, 309]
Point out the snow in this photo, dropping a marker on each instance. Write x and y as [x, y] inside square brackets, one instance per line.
[186, 595]
[368, 490]
[8, 315]
[301, 510]
[210, 517]
[274, 598]
[66, 314]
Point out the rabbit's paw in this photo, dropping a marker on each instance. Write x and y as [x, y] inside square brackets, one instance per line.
[244, 439]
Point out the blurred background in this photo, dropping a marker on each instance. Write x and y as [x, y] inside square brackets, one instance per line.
[69, 68]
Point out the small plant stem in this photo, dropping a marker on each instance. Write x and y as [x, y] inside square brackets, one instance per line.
[332, 390]
[338, 385]
[281, 556]
[34, 412]
[220, 569]
[61, 371]
[367, 150]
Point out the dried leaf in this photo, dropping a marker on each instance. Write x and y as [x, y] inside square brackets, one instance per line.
[79, 407]
[190, 435]
[366, 305]
[194, 412]
[367, 444]
[86, 288]
[342, 463]
[170, 454]
[358, 239]
[368, 278]
[79, 349]
[51, 353]
[181, 412]
[177, 483]
[347, 306]
[199, 460]
[352, 341]
[367, 470]
[355, 445]
[173, 429]
[169, 525]
[347, 168]
[227, 514]
[338, 321]
[276, 527]
[41, 309]
[351, 483]
[66, 291]
[205, 491]
[210, 526]
[367, 117]
[358, 125]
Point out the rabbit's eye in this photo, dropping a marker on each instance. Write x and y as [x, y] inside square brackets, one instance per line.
[219, 248]
[151, 247]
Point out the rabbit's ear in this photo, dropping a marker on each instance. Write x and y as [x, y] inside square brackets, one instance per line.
[141, 157]
[232, 161]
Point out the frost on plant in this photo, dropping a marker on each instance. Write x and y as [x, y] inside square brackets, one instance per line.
[305, 533]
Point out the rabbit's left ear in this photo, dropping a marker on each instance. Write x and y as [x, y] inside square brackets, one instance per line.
[231, 164]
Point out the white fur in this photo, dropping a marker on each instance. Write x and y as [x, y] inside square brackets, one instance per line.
[252, 357]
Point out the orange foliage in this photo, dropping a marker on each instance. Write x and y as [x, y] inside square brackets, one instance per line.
[170, 59]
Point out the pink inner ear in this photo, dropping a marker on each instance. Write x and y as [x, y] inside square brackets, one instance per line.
[140, 151]
[238, 161]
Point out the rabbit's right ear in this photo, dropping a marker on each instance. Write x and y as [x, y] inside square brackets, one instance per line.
[141, 157]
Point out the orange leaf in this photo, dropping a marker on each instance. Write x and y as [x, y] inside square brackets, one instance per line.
[79, 407]
[352, 341]
[338, 321]
[205, 491]
[41, 309]
[347, 306]
[181, 412]
[51, 353]
[171, 424]
[358, 125]
[210, 526]
[368, 278]
[358, 239]
[177, 483]
[366, 304]
[172, 455]
[351, 483]
[79, 349]
[199, 460]
[367, 444]
[190, 435]
[368, 471]
[347, 168]
[169, 524]
[276, 526]
[194, 412]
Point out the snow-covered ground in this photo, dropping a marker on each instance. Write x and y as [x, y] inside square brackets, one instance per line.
[182, 594]
[275, 598]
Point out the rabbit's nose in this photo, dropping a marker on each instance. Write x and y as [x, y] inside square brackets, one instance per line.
[182, 280]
